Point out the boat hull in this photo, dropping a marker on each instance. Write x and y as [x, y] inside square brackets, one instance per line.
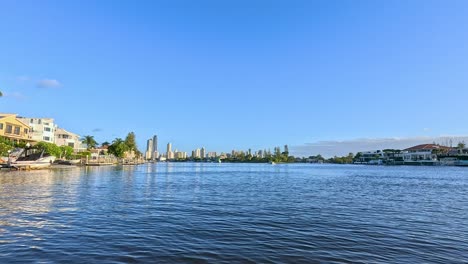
[34, 164]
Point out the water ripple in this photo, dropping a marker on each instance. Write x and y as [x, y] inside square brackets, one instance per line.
[235, 213]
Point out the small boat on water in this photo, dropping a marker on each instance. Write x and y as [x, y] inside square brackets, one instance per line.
[30, 159]
[68, 162]
[272, 163]
[74, 161]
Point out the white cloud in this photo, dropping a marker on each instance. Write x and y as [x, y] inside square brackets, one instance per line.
[14, 95]
[48, 83]
[341, 148]
[23, 78]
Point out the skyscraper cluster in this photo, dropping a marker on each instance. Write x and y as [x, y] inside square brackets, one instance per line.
[202, 154]
[199, 153]
[259, 153]
[171, 155]
[152, 148]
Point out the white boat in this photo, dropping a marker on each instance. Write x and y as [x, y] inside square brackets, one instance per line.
[75, 161]
[272, 163]
[33, 160]
[14, 154]
[68, 162]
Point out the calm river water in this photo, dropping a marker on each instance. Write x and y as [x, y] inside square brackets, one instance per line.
[235, 213]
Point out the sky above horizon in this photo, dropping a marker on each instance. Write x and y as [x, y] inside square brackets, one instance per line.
[238, 74]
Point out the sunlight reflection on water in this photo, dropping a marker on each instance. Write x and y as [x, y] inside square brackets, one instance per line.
[186, 212]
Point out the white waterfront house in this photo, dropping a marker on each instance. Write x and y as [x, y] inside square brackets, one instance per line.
[425, 153]
[41, 129]
[66, 138]
[372, 156]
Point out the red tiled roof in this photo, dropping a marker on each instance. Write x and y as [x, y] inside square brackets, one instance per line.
[428, 147]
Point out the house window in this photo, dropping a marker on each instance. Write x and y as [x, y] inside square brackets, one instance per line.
[17, 130]
[46, 138]
[25, 130]
[32, 121]
[46, 124]
[70, 144]
[39, 121]
[47, 129]
[1, 126]
[9, 129]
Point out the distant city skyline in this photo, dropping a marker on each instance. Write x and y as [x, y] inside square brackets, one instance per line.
[151, 152]
[240, 74]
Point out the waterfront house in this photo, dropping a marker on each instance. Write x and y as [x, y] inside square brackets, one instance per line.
[311, 160]
[393, 157]
[103, 150]
[455, 156]
[425, 154]
[66, 138]
[13, 129]
[41, 129]
[370, 157]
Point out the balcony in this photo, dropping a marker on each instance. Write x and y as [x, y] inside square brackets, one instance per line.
[20, 135]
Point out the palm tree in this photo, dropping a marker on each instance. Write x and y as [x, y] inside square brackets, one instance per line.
[1, 94]
[118, 148]
[89, 141]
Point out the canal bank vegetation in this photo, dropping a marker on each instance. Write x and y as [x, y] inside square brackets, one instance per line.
[65, 152]
[341, 160]
[8, 145]
[425, 154]
[123, 150]
[120, 147]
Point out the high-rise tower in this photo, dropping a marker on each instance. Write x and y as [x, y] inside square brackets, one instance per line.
[203, 153]
[169, 153]
[154, 153]
[149, 149]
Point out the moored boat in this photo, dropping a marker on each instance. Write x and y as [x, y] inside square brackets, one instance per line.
[68, 162]
[462, 162]
[29, 160]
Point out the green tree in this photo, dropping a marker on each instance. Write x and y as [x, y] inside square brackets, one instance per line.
[49, 148]
[286, 150]
[342, 160]
[1, 94]
[66, 151]
[131, 144]
[83, 154]
[4, 148]
[89, 141]
[105, 143]
[118, 148]
[358, 156]
[461, 145]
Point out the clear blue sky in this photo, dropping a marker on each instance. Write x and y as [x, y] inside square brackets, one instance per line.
[238, 74]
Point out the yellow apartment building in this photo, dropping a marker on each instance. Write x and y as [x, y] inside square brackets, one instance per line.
[13, 129]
